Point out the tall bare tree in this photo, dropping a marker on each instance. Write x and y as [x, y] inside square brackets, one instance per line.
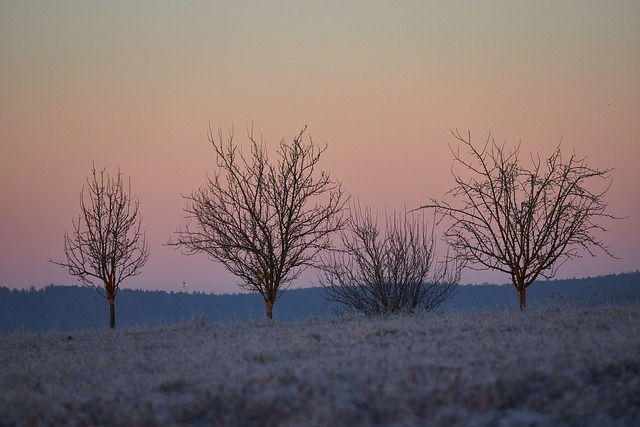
[107, 244]
[525, 222]
[391, 271]
[265, 221]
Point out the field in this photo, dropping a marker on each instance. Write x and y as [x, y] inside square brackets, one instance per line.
[553, 367]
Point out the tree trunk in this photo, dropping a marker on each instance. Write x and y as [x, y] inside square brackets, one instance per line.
[522, 292]
[112, 312]
[269, 306]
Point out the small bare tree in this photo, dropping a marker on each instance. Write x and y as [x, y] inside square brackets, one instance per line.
[523, 222]
[394, 271]
[264, 221]
[107, 244]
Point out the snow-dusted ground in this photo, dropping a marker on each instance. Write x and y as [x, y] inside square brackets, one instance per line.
[574, 367]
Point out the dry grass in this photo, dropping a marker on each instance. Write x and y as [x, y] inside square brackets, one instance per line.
[550, 367]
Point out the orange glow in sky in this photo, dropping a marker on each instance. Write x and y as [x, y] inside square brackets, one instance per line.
[133, 85]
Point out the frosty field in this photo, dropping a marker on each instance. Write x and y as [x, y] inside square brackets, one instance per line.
[573, 367]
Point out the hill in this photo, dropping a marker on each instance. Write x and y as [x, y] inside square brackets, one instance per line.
[75, 308]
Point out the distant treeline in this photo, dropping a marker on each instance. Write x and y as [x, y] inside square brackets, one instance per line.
[75, 307]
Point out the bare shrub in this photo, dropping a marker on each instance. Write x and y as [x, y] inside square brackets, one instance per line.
[391, 271]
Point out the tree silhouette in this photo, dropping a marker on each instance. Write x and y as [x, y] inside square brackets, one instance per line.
[264, 221]
[107, 244]
[523, 222]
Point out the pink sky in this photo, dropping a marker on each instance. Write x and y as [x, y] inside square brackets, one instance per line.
[134, 85]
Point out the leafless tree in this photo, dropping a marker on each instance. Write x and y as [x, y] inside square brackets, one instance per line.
[264, 221]
[525, 222]
[390, 271]
[107, 244]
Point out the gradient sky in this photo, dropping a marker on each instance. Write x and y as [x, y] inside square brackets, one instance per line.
[134, 85]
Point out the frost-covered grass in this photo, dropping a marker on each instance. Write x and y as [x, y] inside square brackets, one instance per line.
[575, 367]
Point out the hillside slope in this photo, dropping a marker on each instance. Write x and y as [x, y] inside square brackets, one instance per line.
[577, 366]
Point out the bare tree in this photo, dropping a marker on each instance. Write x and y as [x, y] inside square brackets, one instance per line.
[387, 272]
[264, 221]
[107, 244]
[523, 222]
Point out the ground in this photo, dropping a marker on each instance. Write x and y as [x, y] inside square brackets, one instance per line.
[576, 366]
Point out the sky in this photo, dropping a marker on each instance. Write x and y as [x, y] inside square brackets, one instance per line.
[134, 85]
